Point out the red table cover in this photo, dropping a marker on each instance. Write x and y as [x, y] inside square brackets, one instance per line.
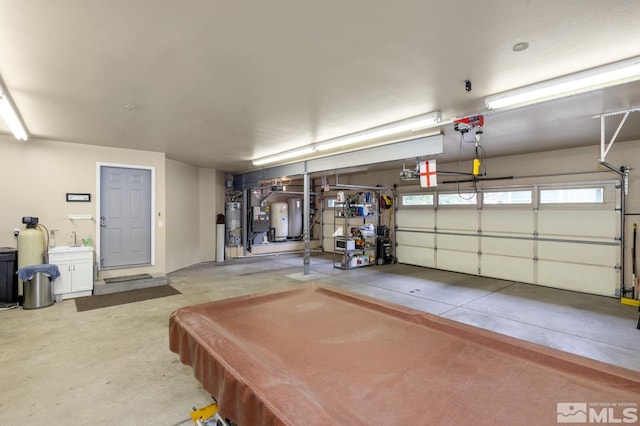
[316, 355]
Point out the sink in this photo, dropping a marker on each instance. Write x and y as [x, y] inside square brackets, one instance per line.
[70, 249]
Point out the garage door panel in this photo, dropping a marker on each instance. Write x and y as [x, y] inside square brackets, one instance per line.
[416, 218]
[508, 221]
[507, 268]
[329, 225]
[578, 277]
[368, 221]
[460, 220]
[327, 245]
[419, 256]
[415, 239]
[328, 215]
[578, 223]
[578, 253]
[458, 243]
[328, 240]
[457, 261]
[508, 247]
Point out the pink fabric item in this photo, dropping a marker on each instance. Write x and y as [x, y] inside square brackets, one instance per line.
[316, 355]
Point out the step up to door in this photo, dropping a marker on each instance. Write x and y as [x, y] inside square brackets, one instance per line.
[129, 282]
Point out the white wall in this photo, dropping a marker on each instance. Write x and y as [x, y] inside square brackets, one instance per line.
[37, 174]
[207, 194]
[567, 165]
[182, 219]
[194, 198]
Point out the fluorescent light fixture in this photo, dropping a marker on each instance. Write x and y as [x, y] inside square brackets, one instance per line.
[592, 79]
[10, 117]
[413, 124]
[284, 155]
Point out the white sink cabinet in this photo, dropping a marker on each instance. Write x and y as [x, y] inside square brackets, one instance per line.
[76, 271]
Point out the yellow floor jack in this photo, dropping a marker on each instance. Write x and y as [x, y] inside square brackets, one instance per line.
[208, 416]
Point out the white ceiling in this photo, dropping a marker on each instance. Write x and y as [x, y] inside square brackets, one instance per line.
[216, 83]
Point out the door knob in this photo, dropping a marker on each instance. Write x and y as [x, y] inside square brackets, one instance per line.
[102, 225]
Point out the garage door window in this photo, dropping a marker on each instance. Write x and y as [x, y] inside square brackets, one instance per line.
[417, 200]
[332, 203]
[457, 199]
[568, 196]
[507, 197]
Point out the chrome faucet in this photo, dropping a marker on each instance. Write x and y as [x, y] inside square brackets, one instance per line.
[75, 243]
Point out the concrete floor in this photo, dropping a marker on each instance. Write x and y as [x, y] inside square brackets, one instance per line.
[112, 366]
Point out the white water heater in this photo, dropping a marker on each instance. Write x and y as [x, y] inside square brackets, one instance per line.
[280, 220]
[295, 217]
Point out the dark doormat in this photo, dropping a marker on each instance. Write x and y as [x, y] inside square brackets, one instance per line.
[127, 278]
[104, 300]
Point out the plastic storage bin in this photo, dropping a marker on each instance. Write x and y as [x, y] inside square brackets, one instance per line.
[8, 277]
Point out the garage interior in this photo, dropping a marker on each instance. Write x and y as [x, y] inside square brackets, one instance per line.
[277, 145]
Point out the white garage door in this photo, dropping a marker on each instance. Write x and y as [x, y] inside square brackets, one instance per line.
[565, 236]
[327, 232]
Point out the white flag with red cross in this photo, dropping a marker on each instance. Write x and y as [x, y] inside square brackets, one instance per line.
[428, 174]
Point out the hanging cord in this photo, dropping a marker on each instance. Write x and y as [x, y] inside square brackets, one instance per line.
[482, 155]
[458, 165]
[45, 254]
[473, 183]
[391, 210]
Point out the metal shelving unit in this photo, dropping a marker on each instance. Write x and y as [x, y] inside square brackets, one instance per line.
[358, 218]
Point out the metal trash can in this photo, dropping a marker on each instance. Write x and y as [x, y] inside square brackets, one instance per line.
[38, 292]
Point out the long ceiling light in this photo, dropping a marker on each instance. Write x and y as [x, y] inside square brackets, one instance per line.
[284, 155]
[412, 124]
[10, 117]
[595, 78]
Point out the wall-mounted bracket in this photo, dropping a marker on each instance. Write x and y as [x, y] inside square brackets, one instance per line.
[604, 147]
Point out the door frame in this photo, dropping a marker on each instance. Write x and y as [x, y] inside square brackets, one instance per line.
[97, 247]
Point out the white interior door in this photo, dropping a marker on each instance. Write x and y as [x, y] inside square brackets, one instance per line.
[125, 217]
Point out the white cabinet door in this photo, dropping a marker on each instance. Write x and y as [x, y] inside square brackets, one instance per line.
[62, 284]
[82, 276]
